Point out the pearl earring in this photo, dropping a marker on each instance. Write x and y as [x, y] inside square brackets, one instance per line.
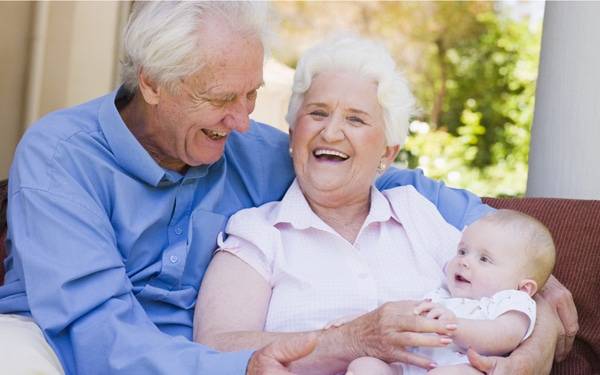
[381, 166]
[291, 150]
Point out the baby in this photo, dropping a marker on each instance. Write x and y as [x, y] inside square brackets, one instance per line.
[503, 259]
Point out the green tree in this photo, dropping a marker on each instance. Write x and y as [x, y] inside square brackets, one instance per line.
[485, 119]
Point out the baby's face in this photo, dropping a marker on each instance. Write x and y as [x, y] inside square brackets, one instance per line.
[488, 260]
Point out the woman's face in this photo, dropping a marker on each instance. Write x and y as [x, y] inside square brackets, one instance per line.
[339, 138]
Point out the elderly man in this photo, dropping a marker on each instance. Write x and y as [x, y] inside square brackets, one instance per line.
[115, 206]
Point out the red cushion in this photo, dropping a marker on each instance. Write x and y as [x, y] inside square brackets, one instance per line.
[575, 227]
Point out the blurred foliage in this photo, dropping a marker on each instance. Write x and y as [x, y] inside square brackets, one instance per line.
[471, 67]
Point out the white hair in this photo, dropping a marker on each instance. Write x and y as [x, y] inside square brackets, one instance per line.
[162, 37]
[368, 59]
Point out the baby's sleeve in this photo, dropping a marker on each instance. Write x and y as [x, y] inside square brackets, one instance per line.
[513, 300]
[251, 238]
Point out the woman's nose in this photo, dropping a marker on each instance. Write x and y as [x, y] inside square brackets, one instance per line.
[332, 130]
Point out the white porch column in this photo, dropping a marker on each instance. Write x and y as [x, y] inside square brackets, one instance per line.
[564, 159]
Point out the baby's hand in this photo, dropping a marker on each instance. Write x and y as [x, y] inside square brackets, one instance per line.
[432, 310]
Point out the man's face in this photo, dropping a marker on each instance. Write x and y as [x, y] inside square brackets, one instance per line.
[192, 126]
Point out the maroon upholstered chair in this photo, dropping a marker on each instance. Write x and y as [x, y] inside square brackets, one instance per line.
[575, 226]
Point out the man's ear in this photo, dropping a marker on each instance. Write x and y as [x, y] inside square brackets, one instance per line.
[528, 286]
[389, 154]
[148, 88]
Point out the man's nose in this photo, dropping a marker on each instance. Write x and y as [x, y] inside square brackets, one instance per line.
[237, 116]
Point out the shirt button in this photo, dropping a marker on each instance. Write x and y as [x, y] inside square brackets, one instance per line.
[178, 231]
[173, 258]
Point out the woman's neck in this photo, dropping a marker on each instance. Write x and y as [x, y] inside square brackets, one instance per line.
[346, 219]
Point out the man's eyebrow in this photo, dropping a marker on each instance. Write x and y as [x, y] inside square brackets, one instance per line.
[317, 104]
[225, 95]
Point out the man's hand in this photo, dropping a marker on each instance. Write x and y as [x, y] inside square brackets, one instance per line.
[273, 359]
[561, 300]
[386, 332]
[498, 365]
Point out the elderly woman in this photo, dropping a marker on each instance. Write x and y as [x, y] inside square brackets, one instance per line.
[335, 245]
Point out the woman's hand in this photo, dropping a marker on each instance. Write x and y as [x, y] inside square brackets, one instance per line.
[388, 331]
[561, 300]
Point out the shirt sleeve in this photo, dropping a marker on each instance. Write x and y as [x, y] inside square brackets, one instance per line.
[79, 293]
[251, 239]
[513, 300]
[458, 207]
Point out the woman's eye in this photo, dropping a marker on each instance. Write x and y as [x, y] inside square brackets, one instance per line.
[318, 114]
[356, 120]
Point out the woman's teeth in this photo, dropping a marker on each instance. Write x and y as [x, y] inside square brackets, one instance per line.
[214, 135]
[330, 154]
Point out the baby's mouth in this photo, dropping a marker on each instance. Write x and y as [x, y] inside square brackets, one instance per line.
[214, 134]
[461, 279]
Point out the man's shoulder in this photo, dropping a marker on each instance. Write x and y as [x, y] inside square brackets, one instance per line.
[65, 133]
[260, 158]
[263, 135]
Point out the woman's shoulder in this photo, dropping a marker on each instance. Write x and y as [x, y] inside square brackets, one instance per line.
[261, 216]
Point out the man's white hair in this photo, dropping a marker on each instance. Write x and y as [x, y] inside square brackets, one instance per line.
[162, 37]
[368, 59]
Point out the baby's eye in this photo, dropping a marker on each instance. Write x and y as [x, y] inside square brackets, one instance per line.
[484, 259]
[461, 251]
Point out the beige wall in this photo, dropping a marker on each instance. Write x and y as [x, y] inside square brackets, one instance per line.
[15, 19]
[54, 55]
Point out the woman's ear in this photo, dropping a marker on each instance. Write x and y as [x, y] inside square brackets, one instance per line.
[389, 154]
[148, 88]
[528, 286]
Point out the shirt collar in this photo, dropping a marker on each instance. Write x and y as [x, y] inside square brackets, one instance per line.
[295, 210]
[131, 155]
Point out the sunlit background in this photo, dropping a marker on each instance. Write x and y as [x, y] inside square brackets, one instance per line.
[472, 66]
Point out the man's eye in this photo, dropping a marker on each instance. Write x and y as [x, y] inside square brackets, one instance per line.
[252, 95]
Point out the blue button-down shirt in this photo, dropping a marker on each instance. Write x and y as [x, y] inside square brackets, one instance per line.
[107, 249]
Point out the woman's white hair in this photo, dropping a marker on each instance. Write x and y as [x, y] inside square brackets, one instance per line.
[162, 37]
[368, 59]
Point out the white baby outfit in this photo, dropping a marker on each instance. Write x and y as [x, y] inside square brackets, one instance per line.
[484, 308]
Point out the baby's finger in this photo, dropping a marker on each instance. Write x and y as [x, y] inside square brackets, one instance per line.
[423, 307]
